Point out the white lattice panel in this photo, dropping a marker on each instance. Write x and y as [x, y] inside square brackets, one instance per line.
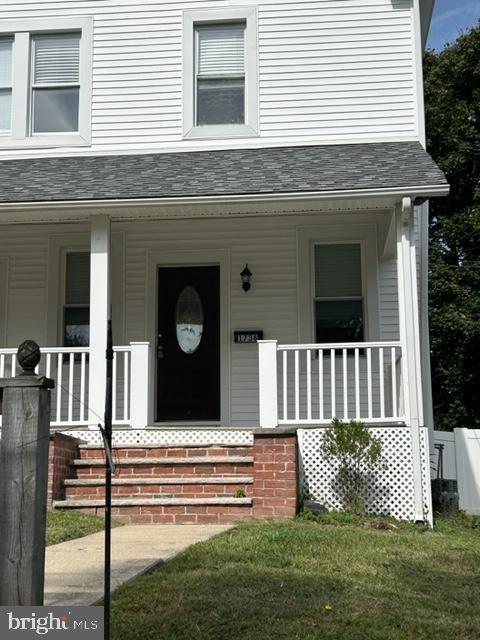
[391, 490]
[168, 437]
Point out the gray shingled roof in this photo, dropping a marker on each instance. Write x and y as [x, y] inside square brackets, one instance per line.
[216, 173]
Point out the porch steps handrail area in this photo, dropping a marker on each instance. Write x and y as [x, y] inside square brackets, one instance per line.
[69, 367]
[310, 384]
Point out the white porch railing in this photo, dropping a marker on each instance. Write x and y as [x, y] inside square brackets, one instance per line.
[314, 383]
[69, 367]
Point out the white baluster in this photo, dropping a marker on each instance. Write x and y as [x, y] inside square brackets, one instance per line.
[394, 383]
[309, 385]
[369, 382]
[285, 384]
[2, 365]
[357, 385]
[114, 387]
[70, 387]
[297, 387]
[14, 365]
[345, 383]
[82, 386]
[59, 387]
[320, 382]
[126, 376]
[382, 385]
[332, 381]
[48, 366]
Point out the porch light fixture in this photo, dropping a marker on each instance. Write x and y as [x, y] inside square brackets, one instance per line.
[245, 276]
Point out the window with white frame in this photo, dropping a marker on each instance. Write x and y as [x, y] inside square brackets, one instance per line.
[6, 45]
[55, 82]
[220, 73]
[338, 293]
[48, 101]
[76, 308]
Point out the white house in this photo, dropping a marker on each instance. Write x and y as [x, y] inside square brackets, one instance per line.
[151, 154]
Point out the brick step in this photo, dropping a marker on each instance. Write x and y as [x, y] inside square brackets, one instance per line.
[156, 451]
[214, 465]
[168, 510]
[161, 487]
[77, 482]
[149, 502]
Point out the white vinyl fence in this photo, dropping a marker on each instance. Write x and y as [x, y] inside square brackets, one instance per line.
[461, 462]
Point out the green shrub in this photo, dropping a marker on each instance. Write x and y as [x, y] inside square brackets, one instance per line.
[358, 454]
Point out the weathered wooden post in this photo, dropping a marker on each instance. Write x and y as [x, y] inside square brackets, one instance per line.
[23, 480]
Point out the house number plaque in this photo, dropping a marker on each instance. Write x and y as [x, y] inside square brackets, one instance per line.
[247, 337]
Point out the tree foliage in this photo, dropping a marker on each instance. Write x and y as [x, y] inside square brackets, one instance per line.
[452, 106]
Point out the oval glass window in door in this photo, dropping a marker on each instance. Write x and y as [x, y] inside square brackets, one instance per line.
[189, 320]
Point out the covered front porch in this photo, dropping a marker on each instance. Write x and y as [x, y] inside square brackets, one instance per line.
[284, 378]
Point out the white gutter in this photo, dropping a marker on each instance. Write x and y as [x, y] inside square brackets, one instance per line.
[395, 192]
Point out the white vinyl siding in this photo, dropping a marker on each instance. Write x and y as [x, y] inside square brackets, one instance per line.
[328, 71]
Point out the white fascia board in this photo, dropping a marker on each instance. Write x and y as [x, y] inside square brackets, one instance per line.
[413, 192]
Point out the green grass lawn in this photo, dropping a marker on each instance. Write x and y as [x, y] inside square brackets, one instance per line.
[318, 578]
[66, 525]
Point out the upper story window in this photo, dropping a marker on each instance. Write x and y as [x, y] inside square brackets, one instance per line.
[338, 304]
[55, 83]
[45, 68]
[220, 73]
[6, 45]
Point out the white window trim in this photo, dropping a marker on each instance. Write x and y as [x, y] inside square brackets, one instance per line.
[307, 238]
[22, 30]
[208, 16]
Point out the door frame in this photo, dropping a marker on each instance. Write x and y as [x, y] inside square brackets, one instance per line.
[189, 258]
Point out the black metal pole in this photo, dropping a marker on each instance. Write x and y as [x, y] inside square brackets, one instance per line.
[108, 482]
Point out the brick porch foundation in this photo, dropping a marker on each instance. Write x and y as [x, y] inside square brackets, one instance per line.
[180, 484]
[274, 474]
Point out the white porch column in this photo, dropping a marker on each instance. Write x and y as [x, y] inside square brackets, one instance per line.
[267, 383]
[410, 339]
[99, 313]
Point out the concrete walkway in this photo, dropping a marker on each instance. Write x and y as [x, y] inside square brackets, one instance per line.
[74, 569]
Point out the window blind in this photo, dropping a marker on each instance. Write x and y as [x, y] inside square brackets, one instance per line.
[77, 281]
[338, 272]
[56, 58]
[221, 49]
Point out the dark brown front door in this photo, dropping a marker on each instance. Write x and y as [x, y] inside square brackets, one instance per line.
[188, 344]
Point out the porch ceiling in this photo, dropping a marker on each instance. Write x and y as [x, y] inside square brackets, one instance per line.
[343, 169]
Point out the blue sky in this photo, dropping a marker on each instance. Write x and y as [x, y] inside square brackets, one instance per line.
[450, 17]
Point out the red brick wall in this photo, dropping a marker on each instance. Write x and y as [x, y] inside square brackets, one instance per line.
[62, 450]
[274, 475]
